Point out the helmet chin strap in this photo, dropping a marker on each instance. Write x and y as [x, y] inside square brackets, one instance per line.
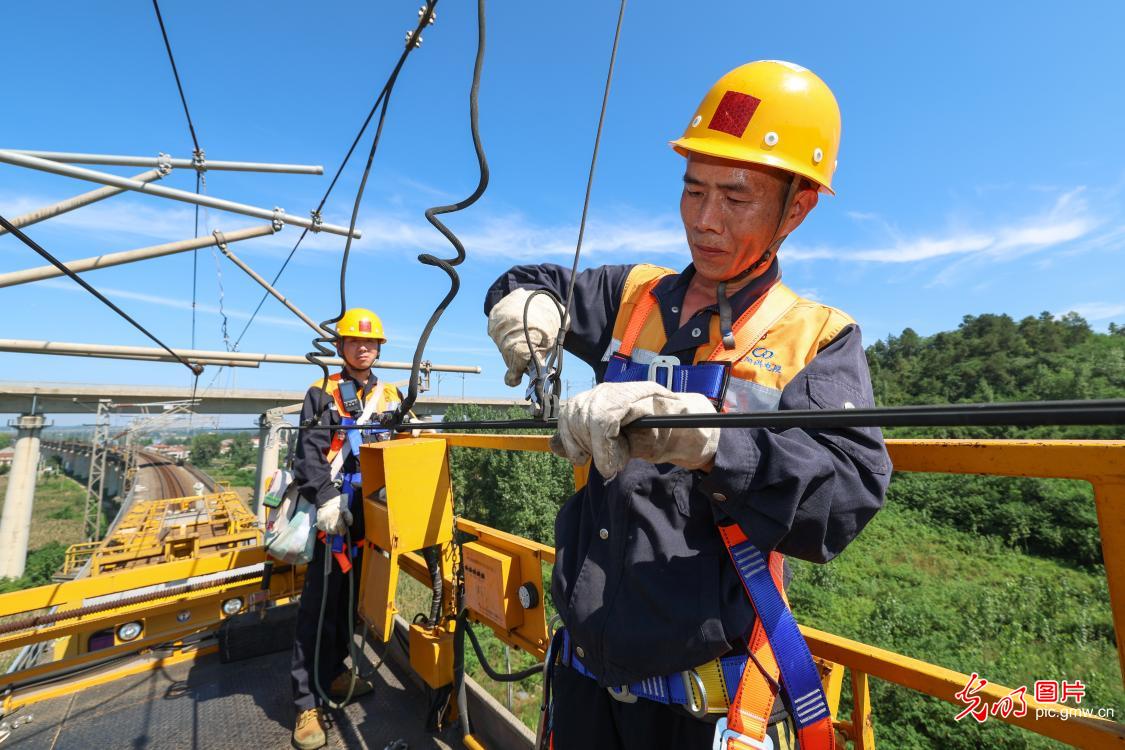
[726, 327]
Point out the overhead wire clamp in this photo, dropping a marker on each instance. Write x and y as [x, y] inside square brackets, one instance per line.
[317, 221]
[199, 160]
[416, 37]
[278, 218]
[221, 241]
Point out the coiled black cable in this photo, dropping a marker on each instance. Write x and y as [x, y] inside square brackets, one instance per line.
[448, 265]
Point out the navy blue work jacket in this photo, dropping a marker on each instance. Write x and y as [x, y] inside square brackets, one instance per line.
[642, 579]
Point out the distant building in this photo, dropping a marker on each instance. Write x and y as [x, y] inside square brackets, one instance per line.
[6, 455]
[182, 452]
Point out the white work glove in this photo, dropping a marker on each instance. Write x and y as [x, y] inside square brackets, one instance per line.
[505, 326]
[334, 517]
[595, 423]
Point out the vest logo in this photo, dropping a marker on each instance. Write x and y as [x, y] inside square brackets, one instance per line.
[760, 357]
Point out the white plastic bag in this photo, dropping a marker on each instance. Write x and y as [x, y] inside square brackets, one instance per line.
[290, 522]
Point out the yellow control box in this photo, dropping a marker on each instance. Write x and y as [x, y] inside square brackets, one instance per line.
[431, 654]
[492, 580]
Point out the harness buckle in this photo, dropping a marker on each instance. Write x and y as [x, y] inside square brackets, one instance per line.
[724, 736]
[622, 694]
[691, 677]
[662, 363]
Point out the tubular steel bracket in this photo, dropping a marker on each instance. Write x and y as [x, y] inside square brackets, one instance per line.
[424, 370]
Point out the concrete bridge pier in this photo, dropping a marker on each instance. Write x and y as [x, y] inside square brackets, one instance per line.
[15, 524]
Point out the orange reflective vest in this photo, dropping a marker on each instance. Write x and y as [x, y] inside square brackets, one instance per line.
[388, 399]
[774, 339]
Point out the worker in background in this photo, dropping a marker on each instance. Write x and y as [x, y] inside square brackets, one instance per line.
[327, 469]
[662, 556]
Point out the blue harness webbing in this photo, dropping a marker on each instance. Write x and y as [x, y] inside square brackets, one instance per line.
[799, 675]
[670, 689]
[707, 378]
[798, 672]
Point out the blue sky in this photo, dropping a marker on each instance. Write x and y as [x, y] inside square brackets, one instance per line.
[981, 169]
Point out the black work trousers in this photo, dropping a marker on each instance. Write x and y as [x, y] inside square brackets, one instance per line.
[587, 717]
[335, 636]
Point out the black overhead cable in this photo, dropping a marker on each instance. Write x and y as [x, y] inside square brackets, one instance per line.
[198, 159]
[545, 377]
[385, 92]
[1014, 414]
[569, 302]
[413, 40]
[195, 368]
[176, 73]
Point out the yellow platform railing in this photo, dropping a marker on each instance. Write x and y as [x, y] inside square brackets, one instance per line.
[1101, 463]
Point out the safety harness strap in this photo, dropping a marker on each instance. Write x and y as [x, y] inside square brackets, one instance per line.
[753, 324]
[348, 441]
[645, 302]
[708, 378]
[799, 675]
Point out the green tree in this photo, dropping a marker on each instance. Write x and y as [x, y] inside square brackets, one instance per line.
[242, 450]
[516, 491]
[205, 448]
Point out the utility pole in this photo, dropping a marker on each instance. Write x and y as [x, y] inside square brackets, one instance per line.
[95, 477]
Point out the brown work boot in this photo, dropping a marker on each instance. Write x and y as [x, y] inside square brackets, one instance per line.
[309, 732]
[339, 688]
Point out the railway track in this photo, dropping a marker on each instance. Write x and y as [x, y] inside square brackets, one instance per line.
[172, 481]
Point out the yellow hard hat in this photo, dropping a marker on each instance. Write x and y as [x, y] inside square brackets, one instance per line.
[360, 323]
[769, 112]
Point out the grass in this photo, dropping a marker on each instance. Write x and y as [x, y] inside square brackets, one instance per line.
[968, 603]
[947, 597]
[56, 516]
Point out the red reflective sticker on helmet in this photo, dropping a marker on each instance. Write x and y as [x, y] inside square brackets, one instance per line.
[733, 113]
[365, 326]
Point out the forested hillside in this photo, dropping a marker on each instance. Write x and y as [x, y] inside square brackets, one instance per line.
[999, 576]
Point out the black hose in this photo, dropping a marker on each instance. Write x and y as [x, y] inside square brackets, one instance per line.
[432, 555]
[498, 676]
[459, 671]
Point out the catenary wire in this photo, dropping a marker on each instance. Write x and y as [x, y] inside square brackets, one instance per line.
[1014, 414]
[320, 206]
[175, 72]
[320, 343]
[555, 360]
[195, 368]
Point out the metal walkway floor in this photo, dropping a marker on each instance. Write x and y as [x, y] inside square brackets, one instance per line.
[206, 704]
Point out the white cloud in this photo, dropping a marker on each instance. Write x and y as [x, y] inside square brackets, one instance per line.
[153, 299]
[611, 234]
[1096, 310]
[1068, 220]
